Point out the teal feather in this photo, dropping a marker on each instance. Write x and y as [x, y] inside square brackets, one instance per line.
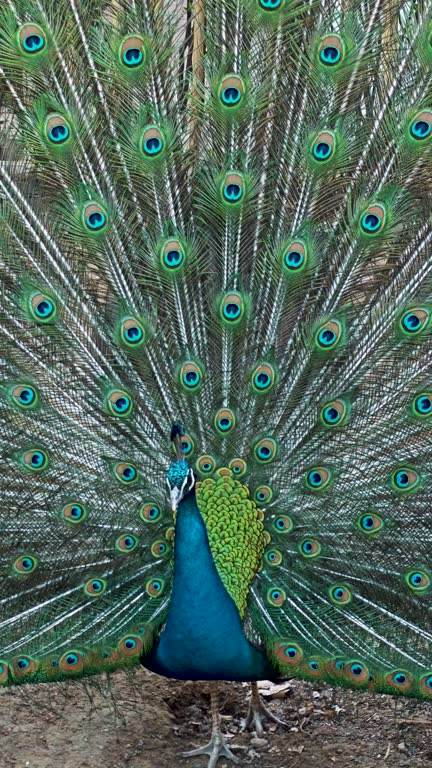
[224, 221]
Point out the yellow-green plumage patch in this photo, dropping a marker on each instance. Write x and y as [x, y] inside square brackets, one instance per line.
[235, 532]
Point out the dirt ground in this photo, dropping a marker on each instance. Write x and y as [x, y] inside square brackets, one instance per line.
[144, 723]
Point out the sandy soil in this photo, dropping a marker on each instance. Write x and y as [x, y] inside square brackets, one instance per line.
[144, 723]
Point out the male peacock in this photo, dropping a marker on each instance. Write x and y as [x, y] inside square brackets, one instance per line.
[217, 216]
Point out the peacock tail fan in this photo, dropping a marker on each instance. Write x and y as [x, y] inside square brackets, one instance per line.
[218, 215]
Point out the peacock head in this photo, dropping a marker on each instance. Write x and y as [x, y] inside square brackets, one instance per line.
[180, 477]
[180, 480]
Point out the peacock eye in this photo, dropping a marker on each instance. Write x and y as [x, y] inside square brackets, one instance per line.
[187, 445]
[24, 395]
[191, 376]
[232, 308]
[127, 542]
[418, 580]
[331, 51]
[25, 564]
[172, 256]
[231, 91]
[95, 587]
[4, 672]
[35, 459]
[42, 308]
[233, 188]
[152, 142]
[283, 524]
[265, 450]
[340, 594]
[288, 653]
[23, 666]
[238, 467]
[57, 130]
[132, 332]
[72, 662]
[206, 465]
[130, 645]
[270, 5]
[400, 680]
[133, 52]
[119, 403]
[323, 147]
[273, 557]
[74, 513]
[224, 421]
[426, 684]
[276, 596]
[328, 335]
[126, 473]
[155, 587]
[370, 523]
[263, 494]
[334, 414]
[414, 321]
[160, 548]
[373, 219]
[357, 672]
[95, 218]
[318, 478]
[151, 513]
[421, 127]
[294, 257]
[309, 548]
[422, 405]
[263, 378]
[32, 39]
[405, 479]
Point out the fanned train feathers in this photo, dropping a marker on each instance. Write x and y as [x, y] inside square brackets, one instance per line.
[219, 215]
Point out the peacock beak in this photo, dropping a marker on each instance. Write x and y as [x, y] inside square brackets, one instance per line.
[175, 495]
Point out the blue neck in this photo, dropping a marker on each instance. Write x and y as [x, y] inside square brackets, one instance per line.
[203, 638]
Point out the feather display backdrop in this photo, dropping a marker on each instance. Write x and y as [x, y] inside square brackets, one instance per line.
[218, 214]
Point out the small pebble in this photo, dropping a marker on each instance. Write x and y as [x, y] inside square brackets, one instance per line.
[257, 742]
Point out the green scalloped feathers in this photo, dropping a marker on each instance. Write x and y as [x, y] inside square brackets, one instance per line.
[235, 531]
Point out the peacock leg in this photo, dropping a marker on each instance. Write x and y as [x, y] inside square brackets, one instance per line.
[258, 713]
[217, 746]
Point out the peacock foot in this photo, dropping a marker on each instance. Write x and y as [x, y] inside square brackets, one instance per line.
[216, 748]
[258, 714]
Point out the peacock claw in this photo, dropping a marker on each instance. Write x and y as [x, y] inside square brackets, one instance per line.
[258, 714]
[216, 748]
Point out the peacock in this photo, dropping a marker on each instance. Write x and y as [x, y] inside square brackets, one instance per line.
[216, 323]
